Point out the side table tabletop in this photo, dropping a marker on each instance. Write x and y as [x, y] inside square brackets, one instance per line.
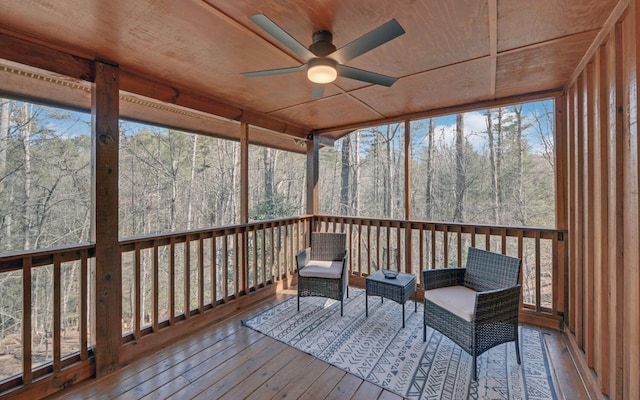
[398, 289]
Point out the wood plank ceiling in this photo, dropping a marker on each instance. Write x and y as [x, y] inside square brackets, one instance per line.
[454, 52]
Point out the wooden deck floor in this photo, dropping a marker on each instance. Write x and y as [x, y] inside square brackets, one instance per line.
[229, 361]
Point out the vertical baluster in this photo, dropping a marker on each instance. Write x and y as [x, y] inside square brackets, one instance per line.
[399, 249]
[421, 257]
[137, 314]
[433, 246]
[172, 280]
[459, 236]
[200, 273]
[367, 266]
[214, 270]
[556, 277]
[487, 238]
[187, 277]
[84, 304]
[240, 277]
[378, 230]
[156, 288]
[520, 253]
[445, 244]
[388, 260]
[27, 374]
[57, 312]
[503, 242]
[538, 272]
[285, 239]
[254, 260]
[225, 268]
[263, 241]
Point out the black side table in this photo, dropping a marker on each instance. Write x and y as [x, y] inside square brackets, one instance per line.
[398, 289]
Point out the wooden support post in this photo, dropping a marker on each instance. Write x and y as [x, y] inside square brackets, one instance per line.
[243, 279]
[408, 263]
[104, 232]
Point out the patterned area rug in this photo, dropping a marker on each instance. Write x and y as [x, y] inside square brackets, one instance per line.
[378, 350]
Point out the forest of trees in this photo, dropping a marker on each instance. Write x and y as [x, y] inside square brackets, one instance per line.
[491, 167]
[499, 170]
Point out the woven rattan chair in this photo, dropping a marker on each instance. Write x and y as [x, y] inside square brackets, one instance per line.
[477, 306]
[322, 268]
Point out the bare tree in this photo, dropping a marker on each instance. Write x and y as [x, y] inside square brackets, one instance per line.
[344, 176]
[194, 154]
[430, 172]
[459, 214]
[493, 174]
[520, 162]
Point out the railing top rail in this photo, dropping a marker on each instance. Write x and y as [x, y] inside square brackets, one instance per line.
[212, 231]
[416, 223]
[13, 261]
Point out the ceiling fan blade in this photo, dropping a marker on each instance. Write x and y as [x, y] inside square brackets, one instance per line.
[379, 36]
[276, 71]
[281, 36]
[365, 76]
[317, 91]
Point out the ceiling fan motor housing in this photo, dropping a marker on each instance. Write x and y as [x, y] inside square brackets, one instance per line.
[322, 44]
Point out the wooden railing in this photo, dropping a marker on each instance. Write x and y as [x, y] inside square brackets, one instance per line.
[179, 279]
[426, 245]
[52, 333]
[221, 264]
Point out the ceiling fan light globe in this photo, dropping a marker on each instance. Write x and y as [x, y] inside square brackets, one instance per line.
[322, 74]
[322, 70]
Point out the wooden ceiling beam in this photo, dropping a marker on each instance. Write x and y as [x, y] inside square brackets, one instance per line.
[547, 94]
[25, 52]
[29, 53]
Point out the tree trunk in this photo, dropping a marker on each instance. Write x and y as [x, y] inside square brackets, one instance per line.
[194, 152]
[356, 176]
[520, 157]
[26, 142]
[460, 173]
[389, 175]
[430, 172]
[493, 173]
[498, 149]
[4, 139]
[344, 176]
[268, 175]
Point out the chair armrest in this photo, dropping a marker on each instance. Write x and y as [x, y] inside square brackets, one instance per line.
[442, 277]
[345, 262]
[499, 304]
[302, 258]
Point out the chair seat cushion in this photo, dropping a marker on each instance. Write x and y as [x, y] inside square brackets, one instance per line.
[459, 300]
[322, 269]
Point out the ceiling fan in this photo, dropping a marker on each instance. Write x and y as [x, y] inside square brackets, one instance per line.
[322, 61]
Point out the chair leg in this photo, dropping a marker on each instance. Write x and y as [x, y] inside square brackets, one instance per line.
[341, 308]
[475, 368]
[424, 330]
[517, 347]
[347, 291]
[298, 303]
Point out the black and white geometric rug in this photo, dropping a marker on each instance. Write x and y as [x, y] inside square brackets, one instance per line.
[378, 350]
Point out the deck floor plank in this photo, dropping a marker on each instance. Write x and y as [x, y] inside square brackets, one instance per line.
[292, 371]
[249, 384]
[346, 387]
[296, 387]
[367, 391]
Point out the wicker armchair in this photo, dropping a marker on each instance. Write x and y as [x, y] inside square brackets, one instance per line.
[322, 268]
[477, 306]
